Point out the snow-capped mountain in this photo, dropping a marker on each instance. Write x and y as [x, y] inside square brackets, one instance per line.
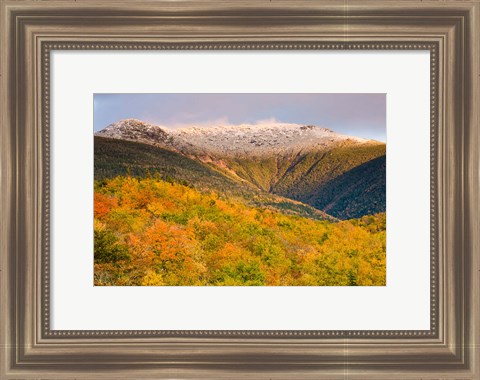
[136, 130]
[256, 139]
[334, 173]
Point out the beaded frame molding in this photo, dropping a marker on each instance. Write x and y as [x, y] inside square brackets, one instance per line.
[431, 47]
[31, 30]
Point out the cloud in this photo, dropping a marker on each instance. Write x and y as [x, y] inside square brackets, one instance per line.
[270, 120]
[205, 123]
[224, 122]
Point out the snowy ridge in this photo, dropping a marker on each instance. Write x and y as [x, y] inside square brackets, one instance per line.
[257, 139]
[136, 130]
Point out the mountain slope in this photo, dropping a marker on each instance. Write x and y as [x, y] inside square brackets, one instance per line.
[313, 169]
[116, 157]
[360, 191]
[298, 162]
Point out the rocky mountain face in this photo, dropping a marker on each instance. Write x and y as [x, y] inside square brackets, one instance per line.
[303, 163]
[136, 130]
[230, 140]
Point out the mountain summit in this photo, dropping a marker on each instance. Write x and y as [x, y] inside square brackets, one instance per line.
[231, 140]
[136, 130]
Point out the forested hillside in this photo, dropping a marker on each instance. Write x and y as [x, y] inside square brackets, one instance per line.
[152, 232]
[258, 205]
[357, 192]
[347, 181]
[318, 177]
[114, 157]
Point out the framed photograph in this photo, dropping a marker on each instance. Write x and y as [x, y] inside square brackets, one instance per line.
[222, 190]
[239, 197]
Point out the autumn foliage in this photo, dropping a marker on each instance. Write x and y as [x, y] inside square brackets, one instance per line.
[152, 232]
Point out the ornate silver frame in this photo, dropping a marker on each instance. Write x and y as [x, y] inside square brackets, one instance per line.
[31, 30]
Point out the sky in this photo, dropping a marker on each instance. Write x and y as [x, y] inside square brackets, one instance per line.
[360, 115]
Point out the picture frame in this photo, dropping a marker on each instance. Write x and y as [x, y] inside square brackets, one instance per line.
[31, 30]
